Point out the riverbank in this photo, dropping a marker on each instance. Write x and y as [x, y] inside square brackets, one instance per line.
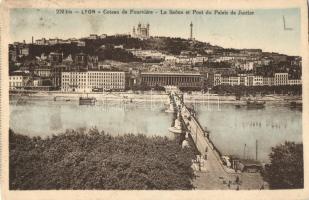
[156, 96]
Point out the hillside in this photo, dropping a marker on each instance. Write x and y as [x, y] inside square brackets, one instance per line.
[94, 47]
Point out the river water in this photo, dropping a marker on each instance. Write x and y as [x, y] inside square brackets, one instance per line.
[230, 128]
[235, 131]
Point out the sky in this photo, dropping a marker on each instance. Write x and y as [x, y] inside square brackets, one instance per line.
[264, 29]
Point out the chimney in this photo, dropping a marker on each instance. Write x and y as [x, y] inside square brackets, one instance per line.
[32, 39]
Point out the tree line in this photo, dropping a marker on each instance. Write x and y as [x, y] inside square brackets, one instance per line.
[96, 160]
[286, 168]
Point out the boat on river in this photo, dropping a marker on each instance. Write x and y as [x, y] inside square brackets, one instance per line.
[255, 104]
[251, 104]
[87, 100]
[296, 105]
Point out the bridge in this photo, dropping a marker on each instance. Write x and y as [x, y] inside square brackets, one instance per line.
[213, 174]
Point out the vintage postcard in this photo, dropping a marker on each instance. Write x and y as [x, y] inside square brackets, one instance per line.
[154, 99]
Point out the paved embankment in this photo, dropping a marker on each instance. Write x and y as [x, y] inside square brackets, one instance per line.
[150, 96]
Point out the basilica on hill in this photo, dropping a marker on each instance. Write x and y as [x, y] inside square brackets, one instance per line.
[142, 31]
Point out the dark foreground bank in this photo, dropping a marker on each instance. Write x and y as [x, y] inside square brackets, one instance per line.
[95, 160]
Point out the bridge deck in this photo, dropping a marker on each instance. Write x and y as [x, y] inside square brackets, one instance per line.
[214, 167]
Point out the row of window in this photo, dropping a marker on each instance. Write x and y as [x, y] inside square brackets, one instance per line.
[94, 83]
[65, 74]
[95, 86]
[13, 84]
[82, 79]
[94, 73]
[16, 77]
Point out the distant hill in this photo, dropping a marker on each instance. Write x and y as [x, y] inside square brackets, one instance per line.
[166, 44]
[176, 45]
[104, 48]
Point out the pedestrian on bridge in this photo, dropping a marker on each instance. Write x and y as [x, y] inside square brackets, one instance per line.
[237, 180]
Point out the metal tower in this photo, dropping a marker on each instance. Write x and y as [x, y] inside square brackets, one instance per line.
[191, 31]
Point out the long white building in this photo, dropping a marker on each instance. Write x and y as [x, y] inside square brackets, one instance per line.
[251, 80]
[89, 80]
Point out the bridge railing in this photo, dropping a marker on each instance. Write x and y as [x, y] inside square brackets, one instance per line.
[197, 129]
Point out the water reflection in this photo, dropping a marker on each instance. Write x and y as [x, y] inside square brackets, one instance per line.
[230, 128]
[48, 117]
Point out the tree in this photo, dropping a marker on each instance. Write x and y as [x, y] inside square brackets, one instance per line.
[286, 169]
[78, 159]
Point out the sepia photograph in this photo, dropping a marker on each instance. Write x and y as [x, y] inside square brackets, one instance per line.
[130, 98]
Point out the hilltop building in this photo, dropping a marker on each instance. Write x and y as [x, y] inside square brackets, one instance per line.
[142, 31]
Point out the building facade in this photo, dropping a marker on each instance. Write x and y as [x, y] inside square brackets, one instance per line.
[281, 78]
[43, 72]
[41, 41]
[268, 81]
[217, 79]
[56, 72]
[153, 79]
[17, 81]
[88, 80]
[55, 58]
[258, 80]
[251, 80]
[295, 82]
[24, 51]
